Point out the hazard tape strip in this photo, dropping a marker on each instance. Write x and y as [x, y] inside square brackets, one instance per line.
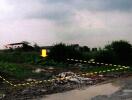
[97, 63]
[119, 67]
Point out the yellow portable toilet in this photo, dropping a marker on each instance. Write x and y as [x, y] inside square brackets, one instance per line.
[44, 53]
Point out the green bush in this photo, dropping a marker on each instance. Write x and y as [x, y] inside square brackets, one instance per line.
[15, 70]
[20, 57]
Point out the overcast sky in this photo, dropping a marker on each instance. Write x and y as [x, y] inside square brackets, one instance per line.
[86, 22]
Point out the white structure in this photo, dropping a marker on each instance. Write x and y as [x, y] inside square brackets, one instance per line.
[14, 45]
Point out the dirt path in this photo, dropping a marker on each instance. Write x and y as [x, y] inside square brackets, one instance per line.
[125, 93]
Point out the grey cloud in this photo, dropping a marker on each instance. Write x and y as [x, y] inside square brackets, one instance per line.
[60, 10]
[42, 9]
[65, 25]
[105, 5]
[122, 5]
[59, 1]
[97, 4]
[53, 14]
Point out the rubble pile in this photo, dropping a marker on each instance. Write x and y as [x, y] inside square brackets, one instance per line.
[74, 78]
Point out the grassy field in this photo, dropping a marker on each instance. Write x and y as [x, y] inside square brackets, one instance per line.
[20, 57]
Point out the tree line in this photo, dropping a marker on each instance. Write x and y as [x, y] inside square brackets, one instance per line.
[118, 52]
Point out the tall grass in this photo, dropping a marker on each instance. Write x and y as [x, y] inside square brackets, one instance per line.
[15, 70]
[20, 57]
[12, 63]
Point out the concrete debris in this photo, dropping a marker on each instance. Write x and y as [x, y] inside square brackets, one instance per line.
[72, 77]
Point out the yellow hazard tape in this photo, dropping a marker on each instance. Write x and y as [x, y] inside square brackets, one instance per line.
[93, 62]
[65, 78]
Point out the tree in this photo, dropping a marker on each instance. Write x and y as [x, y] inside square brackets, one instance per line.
[122, 50]
[94, 49]
[105, 56]
[60, 52]
[85, 49]
[25, 42]
[36, 47]
[26, 46]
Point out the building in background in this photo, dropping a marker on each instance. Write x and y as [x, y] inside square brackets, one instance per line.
[14, 45]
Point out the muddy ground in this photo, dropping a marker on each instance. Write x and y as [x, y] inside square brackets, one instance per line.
[38, 91]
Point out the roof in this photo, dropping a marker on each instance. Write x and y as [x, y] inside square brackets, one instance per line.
[15, 43]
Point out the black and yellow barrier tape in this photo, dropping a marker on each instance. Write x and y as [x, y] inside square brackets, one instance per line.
[119, 67]
[93, 62]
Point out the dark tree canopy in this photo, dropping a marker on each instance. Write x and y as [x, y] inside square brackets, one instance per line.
[60, 52]
[118, 52]
[121, 49]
